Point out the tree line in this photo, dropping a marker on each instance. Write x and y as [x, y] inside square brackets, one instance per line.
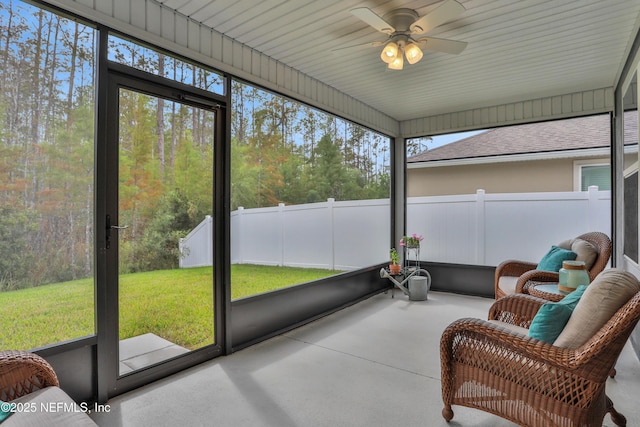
[46, 147]
[286, 152]
[281, 151]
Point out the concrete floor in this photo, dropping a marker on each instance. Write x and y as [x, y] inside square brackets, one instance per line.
[376, 363]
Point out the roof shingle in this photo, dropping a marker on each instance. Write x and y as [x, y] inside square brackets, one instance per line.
[557, 135]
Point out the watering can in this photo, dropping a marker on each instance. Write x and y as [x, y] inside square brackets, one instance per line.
[418, 283]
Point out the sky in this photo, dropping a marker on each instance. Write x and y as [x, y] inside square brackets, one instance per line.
[440, 140]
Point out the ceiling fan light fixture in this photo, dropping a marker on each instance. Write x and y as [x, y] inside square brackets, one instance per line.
[397, 62]
[389, 53]
[413, 53]
[402, 24]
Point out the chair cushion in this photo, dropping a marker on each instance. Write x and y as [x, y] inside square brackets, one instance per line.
[609, 291]
[518, 330]
[508, 284]
[551, 318]
[552, 260]
[52, 407]
[586, 251]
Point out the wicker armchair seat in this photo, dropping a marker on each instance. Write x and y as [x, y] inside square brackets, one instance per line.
[488, 366]
[29, 383]
[51, 407]
[514, 276]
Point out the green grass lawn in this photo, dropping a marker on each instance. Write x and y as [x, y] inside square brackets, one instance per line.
[174, 304]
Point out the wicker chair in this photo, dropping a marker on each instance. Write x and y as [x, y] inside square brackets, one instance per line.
[22, 372]
[526, 271]
[30, 381]
[490, 367]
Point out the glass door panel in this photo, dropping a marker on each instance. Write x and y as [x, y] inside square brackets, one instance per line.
[165, 203]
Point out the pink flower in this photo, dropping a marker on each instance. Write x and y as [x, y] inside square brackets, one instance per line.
[411, 241]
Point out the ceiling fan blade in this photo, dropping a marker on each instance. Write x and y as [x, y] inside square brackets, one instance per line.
[368, 16]
[370, 44]
[441, 14]
[442, 45]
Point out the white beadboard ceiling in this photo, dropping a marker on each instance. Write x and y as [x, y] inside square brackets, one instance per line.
[518, 49]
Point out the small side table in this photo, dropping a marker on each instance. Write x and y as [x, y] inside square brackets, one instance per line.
[545, 290]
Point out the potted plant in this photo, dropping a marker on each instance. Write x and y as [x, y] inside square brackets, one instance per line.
[411, 245]
[412, 241]
[394, 267]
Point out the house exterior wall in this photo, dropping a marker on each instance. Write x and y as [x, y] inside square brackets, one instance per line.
[525, 176]
[505, 177]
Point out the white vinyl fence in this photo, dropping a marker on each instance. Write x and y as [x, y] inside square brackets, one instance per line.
[486, 229]
[475, 229]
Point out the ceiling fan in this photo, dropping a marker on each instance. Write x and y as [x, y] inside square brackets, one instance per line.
[401, 25]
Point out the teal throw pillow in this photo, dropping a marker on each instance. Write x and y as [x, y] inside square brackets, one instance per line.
[551, 319]
[573, 298]
[552, 261]
[549, 322]
[4, 410]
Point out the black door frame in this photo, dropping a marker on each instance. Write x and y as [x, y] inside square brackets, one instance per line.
[112, 77]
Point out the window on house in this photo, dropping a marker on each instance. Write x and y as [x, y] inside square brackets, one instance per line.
[46, 177]
[598, 175]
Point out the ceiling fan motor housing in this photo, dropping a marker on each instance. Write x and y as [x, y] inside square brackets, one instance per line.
[401, 19]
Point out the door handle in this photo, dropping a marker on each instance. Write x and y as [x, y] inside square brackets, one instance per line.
[110, 227]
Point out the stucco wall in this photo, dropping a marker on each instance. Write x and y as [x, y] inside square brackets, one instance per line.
[516, 177]
[504, 177]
